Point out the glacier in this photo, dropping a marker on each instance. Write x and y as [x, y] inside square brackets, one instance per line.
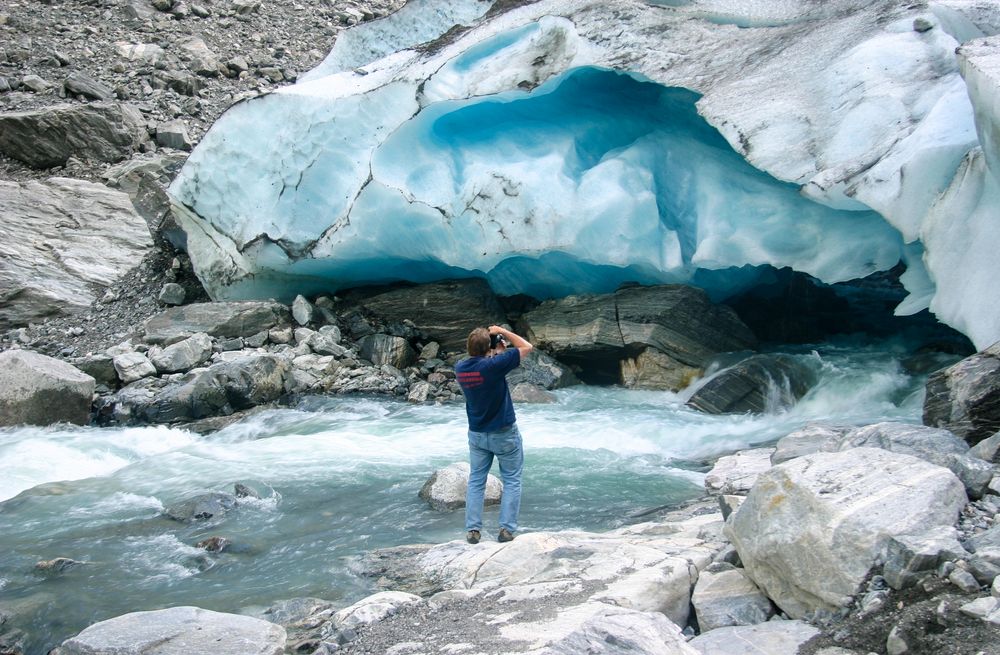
[562, 147]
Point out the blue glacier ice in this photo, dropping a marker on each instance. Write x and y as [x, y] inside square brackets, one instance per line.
[567, 146]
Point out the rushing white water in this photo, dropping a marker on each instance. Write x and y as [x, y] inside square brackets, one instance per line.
[340, 476]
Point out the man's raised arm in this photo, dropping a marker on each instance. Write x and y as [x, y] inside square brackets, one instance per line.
[517, 341]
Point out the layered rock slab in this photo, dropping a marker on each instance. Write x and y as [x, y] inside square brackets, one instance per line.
[812, 528]
[61, 242]
[965, 397]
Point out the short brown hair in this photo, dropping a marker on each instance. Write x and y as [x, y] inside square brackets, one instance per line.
[478, 343]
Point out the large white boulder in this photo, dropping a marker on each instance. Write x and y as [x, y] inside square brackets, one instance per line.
[812, 528]
[60, 240]
[40, 390]
[178, 631]
[772, 638]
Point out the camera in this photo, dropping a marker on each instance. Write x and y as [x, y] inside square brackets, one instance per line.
[496, 340]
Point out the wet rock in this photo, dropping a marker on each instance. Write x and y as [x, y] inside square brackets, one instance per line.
[758, 384]
[219, 319]
[214, 544]
[43, 138]
[652, 369]
[383, 349]
[965, 398]
[40, 390]
[831, 496]
[79, 84]
[63, 240]
[201, 507]
[183, 355]
[57, 565]
[178, 631]
[541, 370]
[419, 392]
[133, 366]
[531, 393]
[445, 489]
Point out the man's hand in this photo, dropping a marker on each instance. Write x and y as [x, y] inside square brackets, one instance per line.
[517, 341]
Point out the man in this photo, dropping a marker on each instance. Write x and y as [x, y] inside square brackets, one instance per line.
[492, 427]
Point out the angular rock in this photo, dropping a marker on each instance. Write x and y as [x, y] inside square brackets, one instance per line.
[812, 438]
[737, 473]
[542, 370]
[988, 449]
[178, 631]
[908, 556]
[758, 384]
[172, 294]
[144, 53]
[383, 349]
[221, 319]
[302, 310]
[773, 638]
[35, 84]
[366, 611]
[445, 489]
[418, 392]
[173, 134]
[100, 367]
[651, 369]
[145, 178]
[79, 84]
[40, 390]
[934, 445]
[444, 311]
[431, 350]
[965, 398]
[201, 507]
[726, 598]
[812, 528]
[987, 609]
[598, 331]
[43, 138]
[531, 393]
[198, 56]
[183, 355]
[622, 631]
[133, 366]
[62, 240]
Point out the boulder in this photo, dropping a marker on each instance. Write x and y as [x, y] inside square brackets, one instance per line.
[172, 294]
[965, 397]
[183, 355]
[934, 445]
[773, 638]
[652, 369]
[445, 489]
[81, 85]
[218, 319]
[63, 240]
[366, 611]
[302, 310]
[812, 528]
[40, 390]
[43, 138]
[133, 366]
[418, 392]
[620, 631]
[145, 178]
[597, 332]
[737, 473]
[758, 384]
[541, 370]
[178, 631]
[910, 556]
[728, 597]
[443, 311]
[384, 349]
[531, 393]
[173, 134]
[201, 507]
[807, 440]
[988, 449]
[101, 367]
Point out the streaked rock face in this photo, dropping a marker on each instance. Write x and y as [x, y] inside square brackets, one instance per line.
[812, 528]
[567, 146]
[59, 239]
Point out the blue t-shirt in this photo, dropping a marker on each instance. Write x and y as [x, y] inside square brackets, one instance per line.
[487, 398]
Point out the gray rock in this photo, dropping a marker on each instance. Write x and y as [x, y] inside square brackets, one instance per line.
[133, 366]
[221, 319]
[728, 598]
[57, 565]
[988, 449]
[729, 503]
[281, 335]
[964, 580]
[201, 507]
[173, 134]
[180, 82]
[443, 311]
[541, 370]
[738, 473]
[145, 178]
[35, 83]
[526, 392]
[366, 611]
[178, 631]
[256, 340]
[812, 438]
[987, 609]
[773, 638]
[40, 390]
[910, 556]
[42, 138]
[965, 398]
[430, 351]
[621, 631]
[860, 497]
[383, 349]
[419, 392]
[100, 367]
[144, 53]
[302, 310]
[652, 369]
[758, 384]
[445, 489]
[172, 294]
[79, 84]
[895, 643]
[64, 239]
[183, 355]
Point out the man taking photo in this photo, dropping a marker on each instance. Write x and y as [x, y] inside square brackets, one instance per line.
[492, 427]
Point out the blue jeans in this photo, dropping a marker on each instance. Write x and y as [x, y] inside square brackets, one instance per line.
[506, 446]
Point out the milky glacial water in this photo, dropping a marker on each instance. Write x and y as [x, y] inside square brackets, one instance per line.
[340, 476]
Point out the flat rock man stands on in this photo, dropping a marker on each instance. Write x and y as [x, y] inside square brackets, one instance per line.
[492, 427]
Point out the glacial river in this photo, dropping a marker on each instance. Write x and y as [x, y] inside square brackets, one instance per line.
[340, 476]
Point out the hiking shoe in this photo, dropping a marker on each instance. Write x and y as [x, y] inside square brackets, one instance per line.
[472, 536]
[505, 536]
